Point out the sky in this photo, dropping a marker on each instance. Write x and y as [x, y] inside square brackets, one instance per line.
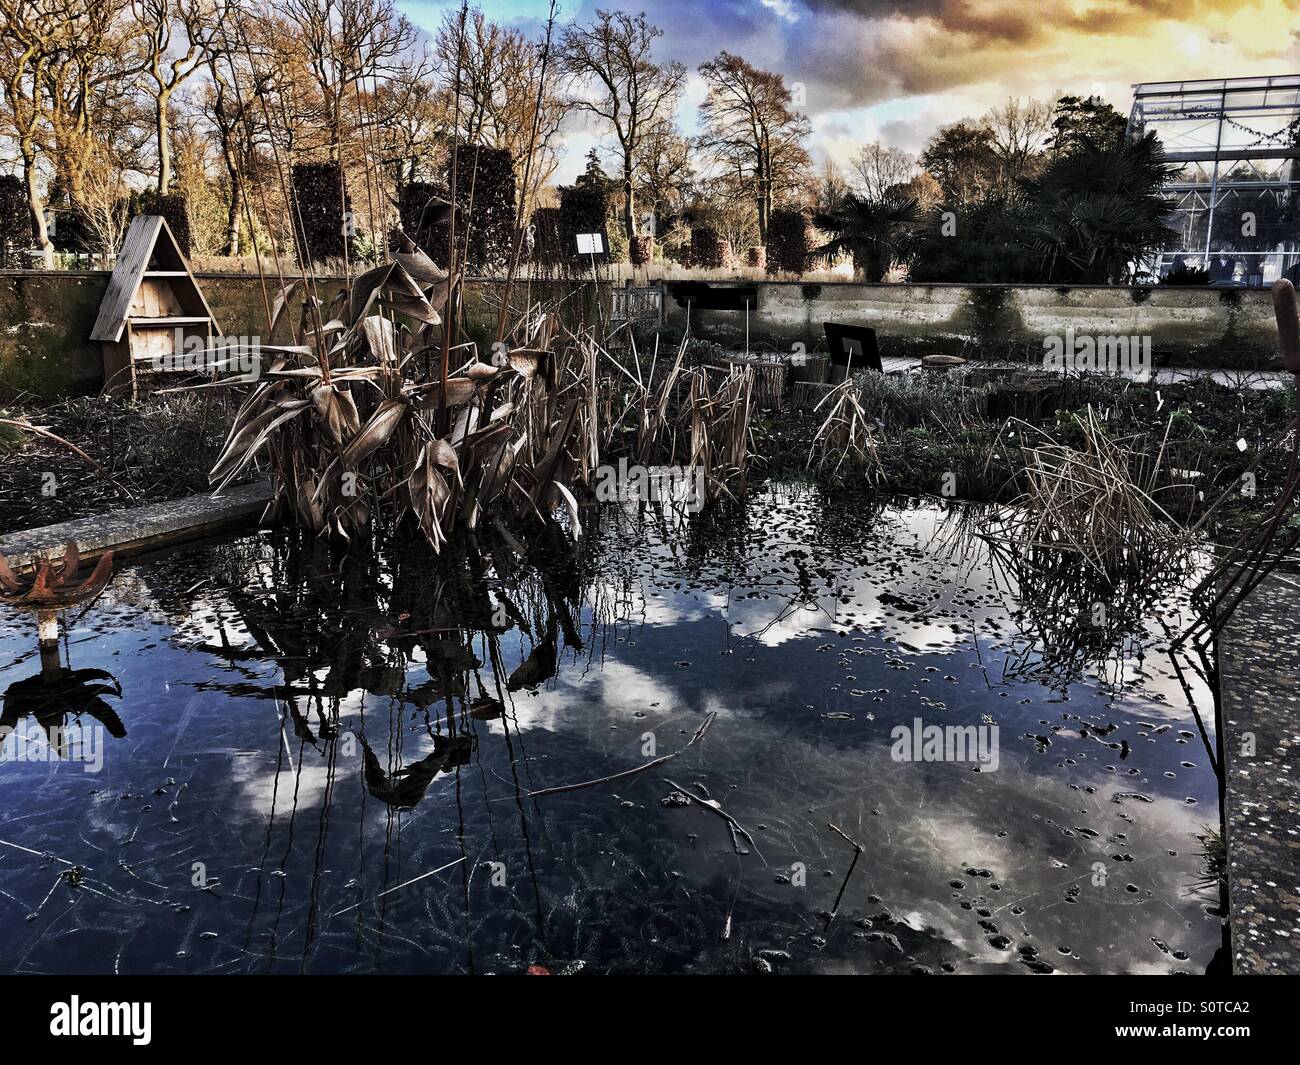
[897, 70]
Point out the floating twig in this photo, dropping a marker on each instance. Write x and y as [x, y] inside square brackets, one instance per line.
[713, 804]
[699, 734]
[398, 887]
[857, 853]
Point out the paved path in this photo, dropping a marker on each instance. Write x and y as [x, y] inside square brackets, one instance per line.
[1259, 681]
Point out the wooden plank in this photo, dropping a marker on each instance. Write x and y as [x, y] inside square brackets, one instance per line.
[167, 322]
[132, 261]
[119, 377]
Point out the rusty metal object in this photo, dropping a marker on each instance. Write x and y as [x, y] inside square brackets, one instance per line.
[1288, 323]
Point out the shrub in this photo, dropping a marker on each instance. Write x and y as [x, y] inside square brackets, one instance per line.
[788, 246]
[174, 208]
[708, 250]
[485, 195]
[992, 242]
[15, 221]
[641, 249]
[1182, 274]
[320, 202]
[756, 257]
[70, 231]
[411, 204]
[549, 249]
[584, 208]
[590, 205]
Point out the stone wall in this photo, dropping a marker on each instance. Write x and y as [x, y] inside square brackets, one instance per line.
[1202, 326]
[45, 323]
[46, 318]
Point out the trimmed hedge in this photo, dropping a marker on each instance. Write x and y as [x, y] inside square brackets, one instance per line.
[411, 204]
[548, 248]
[485, 194]
[15, 221]
[320, 200]
[584, 208]
[641, 249]
[173, 208]
[708, 250]
[788, 245]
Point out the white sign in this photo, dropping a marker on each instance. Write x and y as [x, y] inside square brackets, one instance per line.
[591, 244]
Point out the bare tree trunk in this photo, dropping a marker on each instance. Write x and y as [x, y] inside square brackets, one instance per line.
[629, 208]
[764, 200]
[164, 144]
[35, 206]
[232, 217]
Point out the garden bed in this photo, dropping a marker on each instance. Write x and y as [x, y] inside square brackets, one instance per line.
[927, 426]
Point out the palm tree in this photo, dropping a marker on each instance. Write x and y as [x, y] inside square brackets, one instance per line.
[1100, 210]
[876, 232]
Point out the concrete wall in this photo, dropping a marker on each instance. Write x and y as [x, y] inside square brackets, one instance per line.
[45, 323]
[46, 319]
[1220, 327]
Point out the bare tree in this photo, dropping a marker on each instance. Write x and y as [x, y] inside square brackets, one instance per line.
[229, 105]
[31, 36]
[412, 143]
[104, 201]
[879, 167]
[667, 176]
[751, 126]
[623, 87]
[497, 70]
[171, 40]
[91, 102]
[340, 45]
[831, 189]
[1020, 131]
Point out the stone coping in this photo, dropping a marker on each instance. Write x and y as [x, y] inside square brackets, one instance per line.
[142, 528]
[1259, 667]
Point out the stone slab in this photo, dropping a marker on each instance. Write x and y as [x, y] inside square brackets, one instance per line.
[142, 528]
[1259, 683]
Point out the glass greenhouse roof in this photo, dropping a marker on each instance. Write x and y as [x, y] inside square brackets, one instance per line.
[1235, 200]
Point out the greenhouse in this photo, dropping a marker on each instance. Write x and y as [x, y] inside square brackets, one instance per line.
[1236, 142]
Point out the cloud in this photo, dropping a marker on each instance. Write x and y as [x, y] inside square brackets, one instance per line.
[897, 70]
[948, 59]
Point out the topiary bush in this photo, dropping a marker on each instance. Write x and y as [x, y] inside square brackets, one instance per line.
[485, 194]
[584, 208]
[320, 209]
[708, 250]
[175, 209]
[548, 248]
[788, 246]
[412, 202]
[15, 221]
[641, 249]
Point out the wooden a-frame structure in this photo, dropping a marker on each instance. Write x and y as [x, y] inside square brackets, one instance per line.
[152, 301]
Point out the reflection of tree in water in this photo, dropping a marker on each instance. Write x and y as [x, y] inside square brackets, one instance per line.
[56, 696]
[1077, 621]
[406, 786]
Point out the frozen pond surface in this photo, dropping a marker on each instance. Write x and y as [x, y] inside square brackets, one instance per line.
[310, 773]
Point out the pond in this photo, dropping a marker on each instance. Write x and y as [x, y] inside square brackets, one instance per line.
[277, 758]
